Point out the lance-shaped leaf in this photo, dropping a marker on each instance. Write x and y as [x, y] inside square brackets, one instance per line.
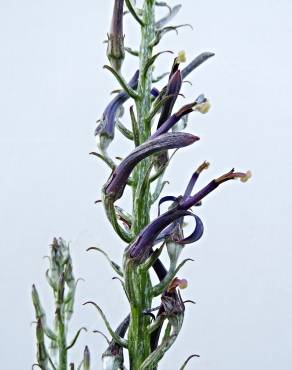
[41, 315]
[115, 185]
[163, 4]
[186, 361]
[106, 128]
[134, 12]
[115, 46]
[42, 355]
[172, 13]
[74, 340]
[114, 265]
[71, 283]
[150, 62]
[163, 31]
[113, 358]
[122, 342]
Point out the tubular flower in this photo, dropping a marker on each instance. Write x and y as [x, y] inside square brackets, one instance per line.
[115, 185]
[201, 104]
[115, 46]
[170, 92]
[140, 249]
[106, 128]
[175, 230]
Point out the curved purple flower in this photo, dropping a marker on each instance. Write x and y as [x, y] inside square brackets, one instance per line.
[174, 118]
[115, 185]
[106, 128]
[172, 90]
[140, 249]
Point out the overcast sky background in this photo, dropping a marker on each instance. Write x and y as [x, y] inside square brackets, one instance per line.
[53, 89]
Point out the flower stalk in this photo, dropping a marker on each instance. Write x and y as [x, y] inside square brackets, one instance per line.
[52, 344]
[153, 127]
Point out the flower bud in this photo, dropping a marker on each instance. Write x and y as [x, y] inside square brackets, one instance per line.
[106, 128]
[115, 185]
[115, 46]
[86, 359]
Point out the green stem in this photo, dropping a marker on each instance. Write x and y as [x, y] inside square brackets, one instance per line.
[141, 202]
[138, 285]
[61, 326]
[62, 345]
[137, 280]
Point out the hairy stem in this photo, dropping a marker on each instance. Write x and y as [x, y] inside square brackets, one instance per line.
[141, 201]
[137, 281]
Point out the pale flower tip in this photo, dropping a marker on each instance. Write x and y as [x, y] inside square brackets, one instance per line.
[204, 166]
[183, 284]
[246, 177]
[181, 57]
[177, 283]
[203, 107]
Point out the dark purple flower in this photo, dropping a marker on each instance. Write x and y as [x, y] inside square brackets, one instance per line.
[201, 104]
[171, 92]
[115, 46]
[194, 179]
[106, 128]
[140, 249]
[115, 185]
[190, 201]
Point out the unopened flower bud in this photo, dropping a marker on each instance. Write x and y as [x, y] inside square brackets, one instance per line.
[115, 47]
[86, 359]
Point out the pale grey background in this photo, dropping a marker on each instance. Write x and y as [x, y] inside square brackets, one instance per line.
[53, 89]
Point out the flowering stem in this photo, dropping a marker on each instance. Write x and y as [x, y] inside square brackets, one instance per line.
[141, 202]
[137, 281]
